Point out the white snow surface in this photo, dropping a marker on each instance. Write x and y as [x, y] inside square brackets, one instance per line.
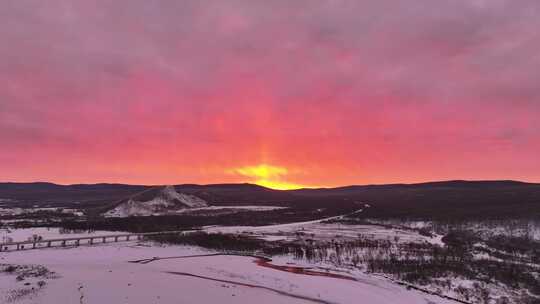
[325, 231]
[274, 228]
[241, 207]
[19, 211]
[191, 201]
[102, 274]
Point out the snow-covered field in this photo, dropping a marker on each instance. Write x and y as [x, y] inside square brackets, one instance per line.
[19, 211]
[325, 231]
[250, 208]
[108, 273]
[528, 228]
[104, 274]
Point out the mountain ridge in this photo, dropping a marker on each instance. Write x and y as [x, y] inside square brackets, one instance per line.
[455, 198]
[427, 183]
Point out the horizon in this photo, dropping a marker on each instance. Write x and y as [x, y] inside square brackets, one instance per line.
[254, 184]
[283, 95]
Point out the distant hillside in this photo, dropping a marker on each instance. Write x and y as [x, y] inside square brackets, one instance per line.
[53, 195]
[446, 199]
[237, 193]
[443, 200]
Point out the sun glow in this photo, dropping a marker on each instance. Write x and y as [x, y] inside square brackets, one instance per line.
[278, 185]
[267, 176]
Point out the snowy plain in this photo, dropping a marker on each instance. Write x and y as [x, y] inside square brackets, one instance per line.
[109, 273]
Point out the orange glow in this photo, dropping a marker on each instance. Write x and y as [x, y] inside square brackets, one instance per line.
[267, 176]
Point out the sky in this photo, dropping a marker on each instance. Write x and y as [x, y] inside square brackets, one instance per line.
[281, 93]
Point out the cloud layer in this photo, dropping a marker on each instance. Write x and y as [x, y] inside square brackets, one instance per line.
[337, 92]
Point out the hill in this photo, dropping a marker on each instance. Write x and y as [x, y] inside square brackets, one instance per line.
[155, 201]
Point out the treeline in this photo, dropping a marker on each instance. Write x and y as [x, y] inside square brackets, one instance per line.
[224, 242]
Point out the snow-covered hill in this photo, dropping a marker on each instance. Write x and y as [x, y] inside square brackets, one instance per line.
[166, 200]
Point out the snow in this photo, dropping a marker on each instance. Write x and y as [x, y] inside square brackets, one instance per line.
[273, 228]
[166, 201]
[134, 208]
[103, 274]
[11, 211]
[209, 209]
[245, 208]
[529, 228]
[191, 201]
[320, 230]
[6, 202]
[19, 211]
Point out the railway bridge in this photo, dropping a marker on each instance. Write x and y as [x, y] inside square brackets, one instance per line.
[82, 240]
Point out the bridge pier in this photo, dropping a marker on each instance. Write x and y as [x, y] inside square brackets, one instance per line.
[63, 243]
[77, 242]
[127, 238]
[91, 241]
[116, 239]
[104, 239]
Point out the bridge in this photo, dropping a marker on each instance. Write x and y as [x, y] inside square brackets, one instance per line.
[82, 240]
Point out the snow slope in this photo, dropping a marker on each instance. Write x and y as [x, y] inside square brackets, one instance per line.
[167, 200]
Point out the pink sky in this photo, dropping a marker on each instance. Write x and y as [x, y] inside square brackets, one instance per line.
[303, 93]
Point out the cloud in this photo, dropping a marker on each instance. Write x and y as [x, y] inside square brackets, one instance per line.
[351, 91]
